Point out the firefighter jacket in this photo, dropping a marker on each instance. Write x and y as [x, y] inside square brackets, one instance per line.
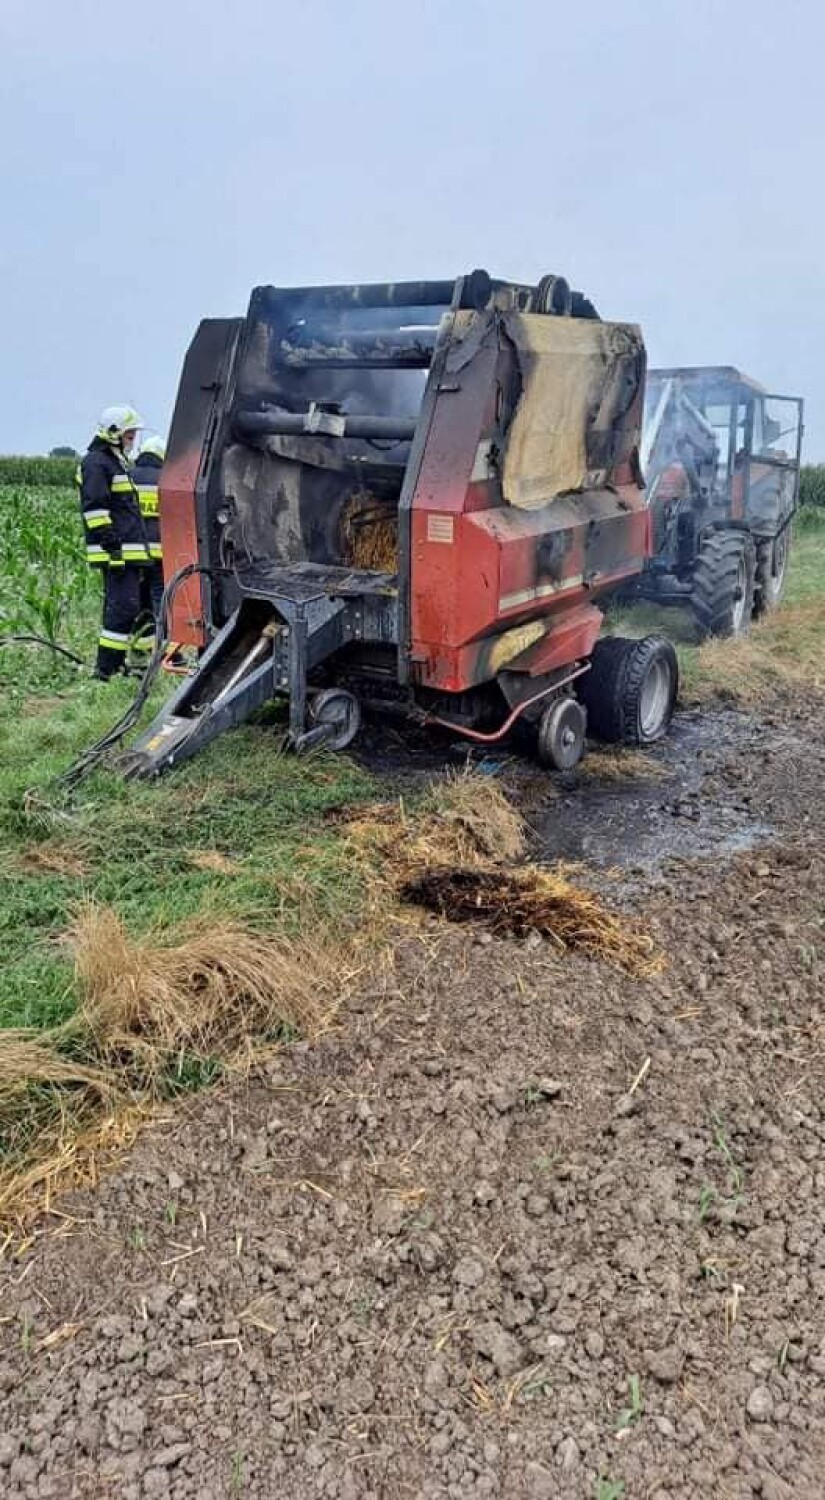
[114, 526]
[146, 474]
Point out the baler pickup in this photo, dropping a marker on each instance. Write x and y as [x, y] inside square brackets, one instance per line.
[289, 622]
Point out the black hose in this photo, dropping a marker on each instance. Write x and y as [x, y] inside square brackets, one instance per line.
[91, 758]
[41, 640]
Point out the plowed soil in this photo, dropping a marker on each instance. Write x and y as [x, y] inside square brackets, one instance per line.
[523, 1227]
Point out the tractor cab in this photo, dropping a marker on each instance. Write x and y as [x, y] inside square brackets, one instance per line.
[754, 469]
[720, 455]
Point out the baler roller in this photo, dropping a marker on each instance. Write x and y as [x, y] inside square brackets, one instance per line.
[274, 422]
[371, 349]
[476, 292]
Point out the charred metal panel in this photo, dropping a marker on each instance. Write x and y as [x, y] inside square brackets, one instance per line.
[545, 410]
[190, 478]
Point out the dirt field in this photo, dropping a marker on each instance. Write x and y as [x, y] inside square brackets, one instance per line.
[452, 1250]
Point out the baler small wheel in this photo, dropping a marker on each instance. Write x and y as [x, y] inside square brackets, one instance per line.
[723, 584]
[771, 572]
[630, 691]
[561, 735]
[340, 709]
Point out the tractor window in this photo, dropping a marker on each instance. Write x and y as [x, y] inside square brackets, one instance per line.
[719, 416]
[740, 453]
[776, 428]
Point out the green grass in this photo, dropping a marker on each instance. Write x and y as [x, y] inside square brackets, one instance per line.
[634, 1411]
[240, 832]
[609, 1489]
[806, 573]
[805, 585]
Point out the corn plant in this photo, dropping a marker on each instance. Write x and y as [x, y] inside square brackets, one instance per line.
[57, 472]
[812, 485]
[44, 581]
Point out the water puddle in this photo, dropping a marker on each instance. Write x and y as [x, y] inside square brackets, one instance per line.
[685, 808]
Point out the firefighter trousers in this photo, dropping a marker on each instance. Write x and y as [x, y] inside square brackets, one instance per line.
[121, 607]
[151, 589]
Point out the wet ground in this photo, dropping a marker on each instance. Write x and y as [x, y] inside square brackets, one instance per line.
[634, 812]
[681, 807]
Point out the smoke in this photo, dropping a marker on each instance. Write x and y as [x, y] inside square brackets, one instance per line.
[284, 320]
[391, 393]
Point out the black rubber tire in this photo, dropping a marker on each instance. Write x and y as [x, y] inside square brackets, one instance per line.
[770, 585]
[561, 735]
[723, 584]
[338, 707]
[613, 690]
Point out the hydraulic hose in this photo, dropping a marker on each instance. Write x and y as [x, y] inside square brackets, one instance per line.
[41, 640]
[91, 758]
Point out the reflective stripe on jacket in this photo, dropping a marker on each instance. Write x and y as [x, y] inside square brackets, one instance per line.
[114, 527]
[146, 475]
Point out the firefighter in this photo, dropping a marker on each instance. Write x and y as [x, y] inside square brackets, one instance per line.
[146, 473]
[115, 531]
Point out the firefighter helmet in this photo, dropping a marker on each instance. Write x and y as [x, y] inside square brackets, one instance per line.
[115, 421]
[154, 445]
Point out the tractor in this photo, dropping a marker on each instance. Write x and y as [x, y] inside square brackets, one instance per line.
[720, 457]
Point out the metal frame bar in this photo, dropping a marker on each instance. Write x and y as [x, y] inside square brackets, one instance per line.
[799, 403]
[405, 499]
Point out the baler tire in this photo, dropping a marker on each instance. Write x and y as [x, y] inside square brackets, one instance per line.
[561, 735]
[342, 710]
[724, 580]
[771, 572]
[631, 689]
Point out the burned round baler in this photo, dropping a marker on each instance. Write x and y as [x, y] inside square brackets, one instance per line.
[410, 496]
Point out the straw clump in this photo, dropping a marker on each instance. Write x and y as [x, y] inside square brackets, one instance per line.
[620, 764]
[455, 858]
[464, 819]
[516, 903]
[369, 534]
[783, 653]
[151, 1017]
[211, 993]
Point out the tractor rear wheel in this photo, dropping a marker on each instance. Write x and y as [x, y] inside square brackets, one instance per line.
[723, 584]
[631, 688]
[771, 571]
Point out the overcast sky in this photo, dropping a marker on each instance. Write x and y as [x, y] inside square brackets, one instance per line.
[159, 161]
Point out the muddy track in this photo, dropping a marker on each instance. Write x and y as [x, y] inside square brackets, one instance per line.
[448, 1252]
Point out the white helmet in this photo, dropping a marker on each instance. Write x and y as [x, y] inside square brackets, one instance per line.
[115, 420]
[154, 445]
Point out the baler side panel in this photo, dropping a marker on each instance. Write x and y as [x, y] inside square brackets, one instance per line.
[479, 565]
[452, 587]
[193, 453]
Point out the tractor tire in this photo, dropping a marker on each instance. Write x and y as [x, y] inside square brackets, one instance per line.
[771, 572]
[723, 584]
[630, 691]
